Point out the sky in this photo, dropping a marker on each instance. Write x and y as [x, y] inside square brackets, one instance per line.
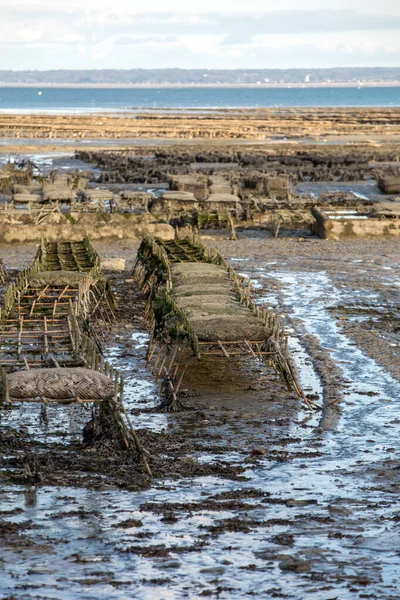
[123, 34]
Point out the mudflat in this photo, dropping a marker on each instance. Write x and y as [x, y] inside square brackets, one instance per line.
[252, 493]
[373, 124]
[247, 477]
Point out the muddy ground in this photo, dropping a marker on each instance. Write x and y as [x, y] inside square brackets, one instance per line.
[306, 163]
[253, 495]
[366, 124]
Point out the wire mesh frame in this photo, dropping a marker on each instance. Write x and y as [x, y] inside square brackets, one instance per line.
[22, 281]
[84, 348]
[152, 255]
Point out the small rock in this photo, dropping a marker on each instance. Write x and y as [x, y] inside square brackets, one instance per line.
[41, 570]
[339, 510]
[300, 502]
[258, 451]
[294, 564]
[187, 459]
[283, 539]
[113, 264]
[213, 570]
[169, 518]
[266, 555]
[170, 564]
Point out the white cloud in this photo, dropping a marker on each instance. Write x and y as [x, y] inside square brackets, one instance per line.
[120, 34]
[127, 7]
[353, 40]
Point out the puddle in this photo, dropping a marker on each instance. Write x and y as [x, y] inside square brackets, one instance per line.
[62, 425]
[371, 401]
[361, 189]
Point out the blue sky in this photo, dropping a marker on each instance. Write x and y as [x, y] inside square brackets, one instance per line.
[39, 34]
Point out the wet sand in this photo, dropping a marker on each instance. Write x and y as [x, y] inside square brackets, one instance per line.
[339, 125]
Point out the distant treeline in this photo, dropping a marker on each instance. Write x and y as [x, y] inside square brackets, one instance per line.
[203, 76]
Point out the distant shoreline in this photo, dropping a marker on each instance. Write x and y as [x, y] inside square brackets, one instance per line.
[368, 84]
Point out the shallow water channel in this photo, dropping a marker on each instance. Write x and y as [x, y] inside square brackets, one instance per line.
[315, 518]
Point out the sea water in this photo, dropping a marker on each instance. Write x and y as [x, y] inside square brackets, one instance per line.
[70, 100]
